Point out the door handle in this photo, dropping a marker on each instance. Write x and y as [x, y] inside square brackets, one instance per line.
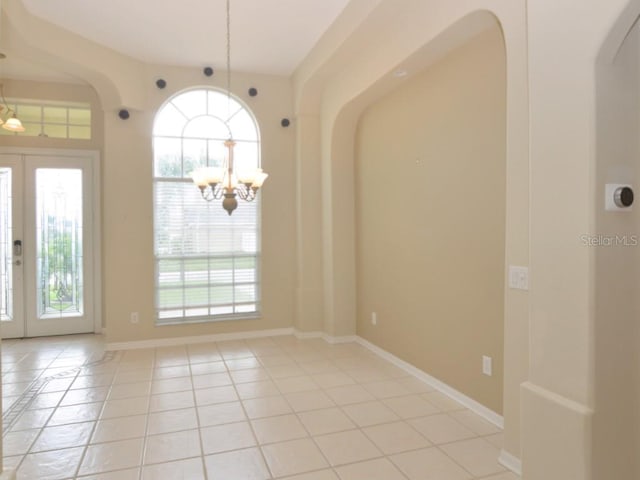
[17, 248]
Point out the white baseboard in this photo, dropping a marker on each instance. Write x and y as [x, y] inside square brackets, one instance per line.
[216, 337]
[343, 339]
[442, 387]
[300, 335]
[221, 337]
[511, 462]
[327, 338]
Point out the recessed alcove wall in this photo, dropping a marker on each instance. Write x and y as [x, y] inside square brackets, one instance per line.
[430, 218]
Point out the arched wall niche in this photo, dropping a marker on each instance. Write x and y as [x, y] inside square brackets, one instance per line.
[344, 109]
[344, 96]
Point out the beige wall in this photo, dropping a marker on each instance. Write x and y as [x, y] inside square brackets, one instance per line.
[430, 207]
[572, 341]
[128, 210]
[615, 439]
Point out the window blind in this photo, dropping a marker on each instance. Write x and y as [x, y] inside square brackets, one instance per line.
[206, 260]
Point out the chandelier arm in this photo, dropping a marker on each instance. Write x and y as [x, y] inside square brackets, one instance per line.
[206, 194]
[4, 105]
[242, 191]
[218, 191]
[250, 194]
[4, 102]
[214, 191]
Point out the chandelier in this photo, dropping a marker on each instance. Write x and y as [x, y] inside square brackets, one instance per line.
[216, 183]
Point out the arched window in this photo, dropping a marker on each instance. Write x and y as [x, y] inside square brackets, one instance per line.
[207, 262]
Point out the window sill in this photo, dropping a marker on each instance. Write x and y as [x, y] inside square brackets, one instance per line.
[216, 319]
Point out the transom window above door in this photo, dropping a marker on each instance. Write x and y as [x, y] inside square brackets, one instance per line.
[206, 262]
[52, 119]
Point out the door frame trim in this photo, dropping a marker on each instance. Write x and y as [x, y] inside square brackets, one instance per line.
[94, 156]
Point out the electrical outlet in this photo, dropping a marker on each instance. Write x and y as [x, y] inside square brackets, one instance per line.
[374, 318]
[487, 366]
[134, 317]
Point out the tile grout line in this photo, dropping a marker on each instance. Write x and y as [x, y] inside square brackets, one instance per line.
[143, 453]
[312, 437]
[197, 412]
[95, 424]
[258, 446]
[26, 398]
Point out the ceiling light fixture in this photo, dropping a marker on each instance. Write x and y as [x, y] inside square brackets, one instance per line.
[215, 183]
[12, 123]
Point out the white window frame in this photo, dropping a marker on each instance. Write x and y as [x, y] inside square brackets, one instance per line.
[197, 313]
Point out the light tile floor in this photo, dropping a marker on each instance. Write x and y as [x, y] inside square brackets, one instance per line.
[270, 408]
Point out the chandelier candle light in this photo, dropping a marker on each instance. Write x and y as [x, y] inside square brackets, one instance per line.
[214, 182]
[12, 123]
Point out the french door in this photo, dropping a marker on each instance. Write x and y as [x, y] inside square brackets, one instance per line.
[47, 248]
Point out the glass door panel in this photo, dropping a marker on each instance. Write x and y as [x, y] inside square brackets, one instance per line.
[6, 242]
[59, 237]
[59, 246]
[11, 265]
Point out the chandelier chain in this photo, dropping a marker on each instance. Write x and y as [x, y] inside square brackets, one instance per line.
[228, 57]
[215, 183]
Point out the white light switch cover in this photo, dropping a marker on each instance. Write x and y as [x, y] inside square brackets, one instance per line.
[518, 277]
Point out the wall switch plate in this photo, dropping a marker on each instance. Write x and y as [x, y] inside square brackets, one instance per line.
[374, 318]
[487, 365]
[519, 277]
[134, 317]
